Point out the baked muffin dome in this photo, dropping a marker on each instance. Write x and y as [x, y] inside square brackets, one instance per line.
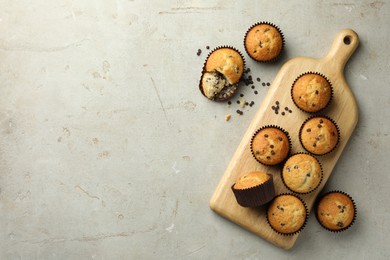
[336, 211]
[287, 214]
[270, 145]
[311, 92]
[254, 189]
[302, 173]
[222, 71]
[319, 135]
[263, 42]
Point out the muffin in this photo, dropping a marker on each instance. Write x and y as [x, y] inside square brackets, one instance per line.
[222, 71]
[287, 214]
[254, 189]
[336, 211]
[319, 135]
[270, 145]
[311, 92]
[302, 173]
[264, 42]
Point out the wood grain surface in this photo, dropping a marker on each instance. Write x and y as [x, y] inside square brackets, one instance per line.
[343, 109]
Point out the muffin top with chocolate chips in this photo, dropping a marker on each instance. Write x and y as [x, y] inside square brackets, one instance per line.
[251, 179]
[263, 42]
[311, 92]
[270, 146]
[335, 211]
[302, 173]
[287, 214]
[227, 62]
[319, 135]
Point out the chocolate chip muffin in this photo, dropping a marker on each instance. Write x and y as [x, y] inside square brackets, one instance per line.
[302, 173]
[254, 189]
[319, 135]
[270, 145]
[264, 42]
[311, 92]
[336, 211]
[222, 71]
[287, 214]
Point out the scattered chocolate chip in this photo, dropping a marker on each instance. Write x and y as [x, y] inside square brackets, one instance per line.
[308, 130]
[321, 121]
[253, 87]
[272, 152]
[268, 158]
[263, 84]
[208, 47]
[199, 52]
[277, 102]
[273, 107]
[256, 92]
[280, 138]
[282, 224]
[283, 113]
[257, 152]
[265, 135]
[295, 167]
[340, 224]
[308, 174]
[290, 111]
[319, 126]
[286, 108]
[238, 102]
[276, 112]
[258, 79]
[314, 145]
[339, 206]
[288, 168]
[317, 92]
[313, 105]
[271, 146]
[241, 95]
[268, 84]
[229, 102]
[318, 138]
[246, 103]
[333, 134]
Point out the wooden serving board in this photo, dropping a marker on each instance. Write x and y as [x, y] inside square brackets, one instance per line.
[343, 110]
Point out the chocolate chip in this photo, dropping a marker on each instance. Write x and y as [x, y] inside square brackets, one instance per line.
[308, 174]
[282, 224]
[321, 121]
[276, 112]
[253, 87]
[272, 152]
[256, 92]
[296, 167]
[317, 92]
[268, 84]
[314, 145]
[319, 126]
[340, 224]
[265, 135]
[283, 113]
[277, 102]
[288, 168]
[263, 84]
[258, 79]
[318, 138]
[280, 138]
[207, 47]
[257, 152]
[241, 95]
[229, 102]
[268, 157]
[339, 206]
[246, 103]
[333, 134]
[273, 107]
[290, 111]
[199, 52]
[308, 130]
[271, 146]
[286, 108]
[238, 102]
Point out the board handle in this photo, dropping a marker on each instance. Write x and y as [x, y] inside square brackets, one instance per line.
[344, 45]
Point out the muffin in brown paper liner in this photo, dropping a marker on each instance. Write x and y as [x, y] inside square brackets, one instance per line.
[336, 211]
[222, 77]
[282, 214]
[262, 146]
[312, 137]
[321, 98]
[304, 174]
[259, 35]
[257, 195]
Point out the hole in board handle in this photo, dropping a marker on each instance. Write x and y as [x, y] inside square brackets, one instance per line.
[347, 40]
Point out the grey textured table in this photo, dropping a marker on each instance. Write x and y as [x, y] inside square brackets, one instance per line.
[109, 151]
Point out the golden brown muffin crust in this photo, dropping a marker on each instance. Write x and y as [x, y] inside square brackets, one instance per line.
[335, 211]
[228, 62]
[270, 146]
[287, 214]
[251, 179]
[319, 135]
[263, 42]
[302, 173]
[311, 92]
